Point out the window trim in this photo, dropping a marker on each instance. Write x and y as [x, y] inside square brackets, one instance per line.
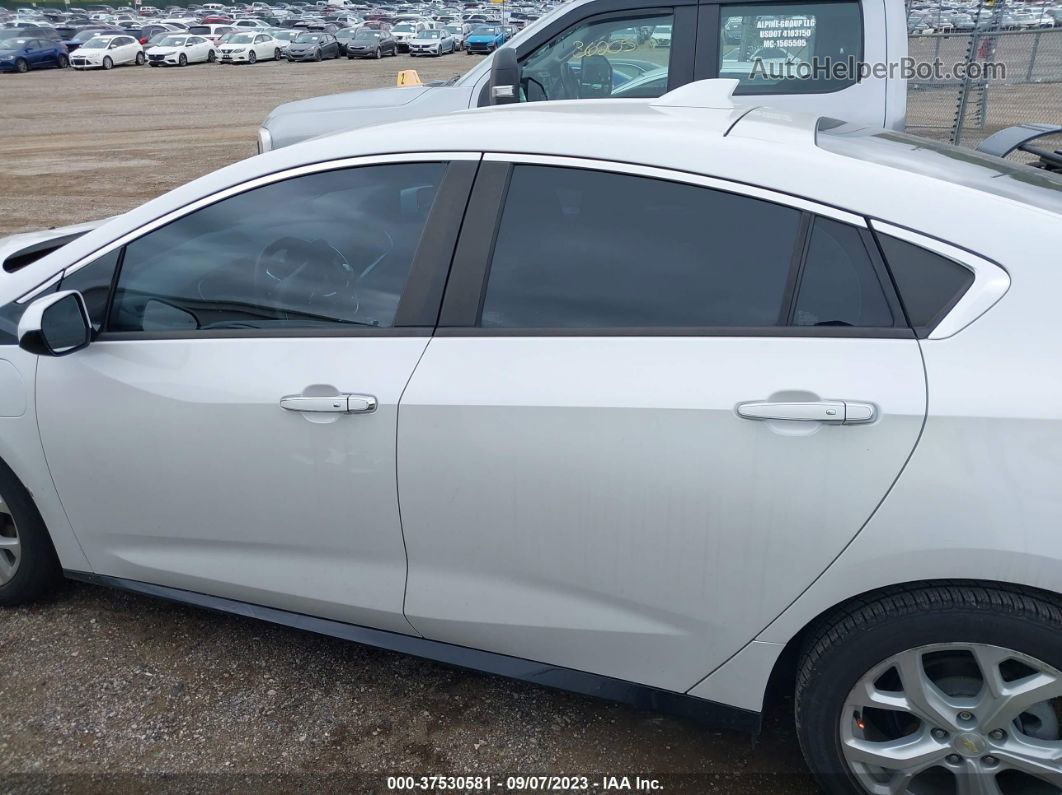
[466, 288]
[419, 303]
[688, 177]
[990, 284]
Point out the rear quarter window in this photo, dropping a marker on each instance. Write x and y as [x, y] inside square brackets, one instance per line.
[929, 284]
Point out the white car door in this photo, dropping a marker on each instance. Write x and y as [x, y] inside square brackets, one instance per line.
[127, 50]
[198, 49]
[652, 415]
[235, 422]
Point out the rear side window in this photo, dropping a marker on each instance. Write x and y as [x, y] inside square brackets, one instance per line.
[839, 285]
[929, 284]
[589, 249]
[791, 48]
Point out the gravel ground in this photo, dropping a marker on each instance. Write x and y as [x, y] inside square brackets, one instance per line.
[108, 692]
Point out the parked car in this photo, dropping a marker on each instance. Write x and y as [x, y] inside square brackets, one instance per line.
[404, 32]
[436, 41]
[249, 47]
[285, 36]
[105, 52]
[484, 39]
[344, 36]
[458, 33]
[826, 317]
[661, 36]
[212, 32]
[181, 49]
[22, 53]
[309, 46]
[371, 43]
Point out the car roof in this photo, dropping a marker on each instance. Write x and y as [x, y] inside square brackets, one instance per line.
[696, 129]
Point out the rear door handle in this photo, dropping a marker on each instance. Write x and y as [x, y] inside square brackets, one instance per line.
[335, 404]
[839, 412]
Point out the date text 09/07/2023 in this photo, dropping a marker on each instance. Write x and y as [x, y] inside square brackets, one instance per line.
[523, 784]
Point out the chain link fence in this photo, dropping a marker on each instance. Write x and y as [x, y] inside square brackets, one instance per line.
[996, 66]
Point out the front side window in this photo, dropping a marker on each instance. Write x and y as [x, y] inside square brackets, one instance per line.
[590, 249]
[93, 281]
[791, 48]
[317, 251]
[625, 56]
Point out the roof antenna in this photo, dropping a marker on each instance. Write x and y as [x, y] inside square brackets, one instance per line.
[714, 93]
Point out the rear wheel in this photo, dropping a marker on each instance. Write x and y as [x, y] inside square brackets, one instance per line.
[29, 567]
[107, 62]
[936, 690]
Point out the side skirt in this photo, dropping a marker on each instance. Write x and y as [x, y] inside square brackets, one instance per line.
[701, 710]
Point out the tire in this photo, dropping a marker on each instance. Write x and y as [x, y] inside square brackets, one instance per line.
[37, 571]
[212, 56]
[276, 54]
[63, 62]
[182, 60]
[140, 58]
[21, 66]
[971, 629]
[252, 57]
[317, 55]
[379, 53]
[107, 62]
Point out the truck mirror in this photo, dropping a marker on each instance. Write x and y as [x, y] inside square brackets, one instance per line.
[504, 77]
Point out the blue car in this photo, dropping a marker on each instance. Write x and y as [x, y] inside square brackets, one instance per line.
[22, 53]
[485, 38]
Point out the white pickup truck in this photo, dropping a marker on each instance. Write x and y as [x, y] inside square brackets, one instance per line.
[800, 55]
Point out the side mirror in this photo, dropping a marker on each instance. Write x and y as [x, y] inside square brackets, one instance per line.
[55, 325]
[504, 77]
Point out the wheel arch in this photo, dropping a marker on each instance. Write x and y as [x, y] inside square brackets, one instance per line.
[781, 682]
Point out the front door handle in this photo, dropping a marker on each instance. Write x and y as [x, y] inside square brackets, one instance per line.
[838, 412]
[335, 404]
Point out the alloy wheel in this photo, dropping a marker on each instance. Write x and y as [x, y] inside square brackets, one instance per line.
[955, 718]
[10, 544]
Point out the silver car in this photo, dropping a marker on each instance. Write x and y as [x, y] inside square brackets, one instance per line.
[658, 400]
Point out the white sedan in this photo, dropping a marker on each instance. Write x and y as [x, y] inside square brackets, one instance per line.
[181, 50]
[657, 400]
[250, 47]
[106, 52]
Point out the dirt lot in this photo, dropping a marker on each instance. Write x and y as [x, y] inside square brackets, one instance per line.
[110, 692]
[76, 146]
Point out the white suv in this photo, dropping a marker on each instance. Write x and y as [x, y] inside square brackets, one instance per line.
[654, 401]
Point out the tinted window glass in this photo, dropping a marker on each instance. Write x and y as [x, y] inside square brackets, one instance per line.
[839, 286]
[94, 283]
[791, 48]
[625, 57]
[596, 250]
[929, 284]
[314, 251]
